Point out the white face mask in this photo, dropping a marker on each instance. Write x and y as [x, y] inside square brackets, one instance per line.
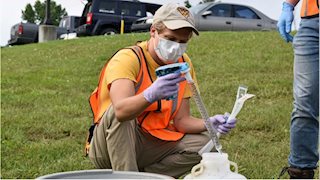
[169, 51]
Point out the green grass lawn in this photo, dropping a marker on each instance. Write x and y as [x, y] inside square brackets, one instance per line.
[45, 87]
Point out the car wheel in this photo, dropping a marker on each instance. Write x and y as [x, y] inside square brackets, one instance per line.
[108, 31]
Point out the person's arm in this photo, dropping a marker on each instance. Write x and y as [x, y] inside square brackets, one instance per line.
[286, 18]
[293, 2]
[126, 104]
[185, 123]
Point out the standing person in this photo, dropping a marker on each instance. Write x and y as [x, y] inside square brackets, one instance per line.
[304, 130]
[137, 129]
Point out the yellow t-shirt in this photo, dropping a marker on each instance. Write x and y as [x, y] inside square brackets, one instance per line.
[125, 64]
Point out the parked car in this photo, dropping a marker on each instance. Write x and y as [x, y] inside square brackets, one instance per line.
[142, 24]
[70, 23]
[230, 17]
[220, 17]
[24, 33]
[103, 17]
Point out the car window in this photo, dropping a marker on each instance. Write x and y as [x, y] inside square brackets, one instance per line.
[132, 9]
[63, 23]
[221, 10]
[87, 9]
[244, 12]
[107, 7]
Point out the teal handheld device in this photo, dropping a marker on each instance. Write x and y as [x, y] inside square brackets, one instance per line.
[172, 68]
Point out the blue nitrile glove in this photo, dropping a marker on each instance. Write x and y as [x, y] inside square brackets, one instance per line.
[163, 88]
[219, 123]
[285, 21]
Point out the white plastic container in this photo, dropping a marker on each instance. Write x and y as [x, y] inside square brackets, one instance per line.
[214, 166]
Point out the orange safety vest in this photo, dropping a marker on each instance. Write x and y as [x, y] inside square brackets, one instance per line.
[309, 8]
[156, 119]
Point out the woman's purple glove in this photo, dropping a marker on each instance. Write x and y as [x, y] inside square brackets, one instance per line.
[163, 88]
[219, 123]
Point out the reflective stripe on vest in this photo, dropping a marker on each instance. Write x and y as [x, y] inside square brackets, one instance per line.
[309, 8]
[156, 119]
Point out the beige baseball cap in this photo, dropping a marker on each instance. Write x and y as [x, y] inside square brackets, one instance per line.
[175, 17]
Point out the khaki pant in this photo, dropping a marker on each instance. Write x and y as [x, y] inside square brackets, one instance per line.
[126, 147]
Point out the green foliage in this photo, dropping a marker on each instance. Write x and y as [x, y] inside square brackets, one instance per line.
[187, 4]
[29, 14]
[205, 1]
[37, 13]
[45, 87]
[40, 11]
[57, 13]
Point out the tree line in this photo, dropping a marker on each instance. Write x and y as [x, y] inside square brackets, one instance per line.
[36, 13]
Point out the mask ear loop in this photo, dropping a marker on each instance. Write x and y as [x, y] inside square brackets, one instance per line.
[154, 41]
[156, 48]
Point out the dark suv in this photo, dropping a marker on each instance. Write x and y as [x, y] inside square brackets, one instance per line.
[103, 17]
